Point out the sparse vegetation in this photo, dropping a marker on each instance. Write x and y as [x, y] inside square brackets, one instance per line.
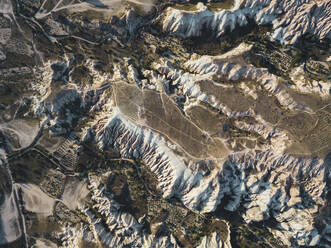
[202, 129]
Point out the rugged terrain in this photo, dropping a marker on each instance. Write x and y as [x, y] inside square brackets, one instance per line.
[145, 123]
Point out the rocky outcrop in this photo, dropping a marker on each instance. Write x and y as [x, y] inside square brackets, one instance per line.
[116, 228]
[320, 87]
[225, 69]
[192, 23]
[290, 19]
[62, 102]
[213, 241]
[268, 185]
[206, 67]
[165, 141]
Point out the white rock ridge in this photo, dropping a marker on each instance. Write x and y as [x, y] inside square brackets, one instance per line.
[267, 185]
[291, 19]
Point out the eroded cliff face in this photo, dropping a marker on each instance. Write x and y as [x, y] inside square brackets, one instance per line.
[291, 20]
[165, 124]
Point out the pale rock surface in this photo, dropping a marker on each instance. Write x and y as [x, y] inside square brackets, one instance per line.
[232, 71]
[291, 19]
[2, 56]
[213, 241]
[261, 193]
[125, 229]
[301, 84]
[9, 220]
[188, 83]
[264, 184]
[10, 228]
[35, 200]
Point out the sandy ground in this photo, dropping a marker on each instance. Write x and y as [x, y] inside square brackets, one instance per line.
[9, 221]
[23, 131]
[35, 200]
[106, 7]
[40, 243]
[74, 192]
